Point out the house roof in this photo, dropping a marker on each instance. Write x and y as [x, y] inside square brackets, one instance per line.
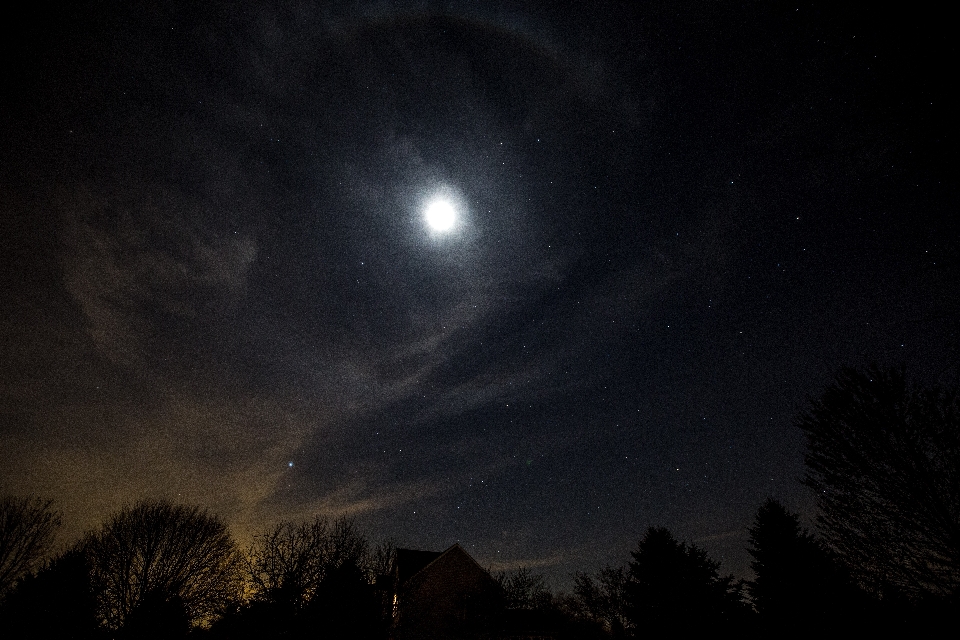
[410, 562]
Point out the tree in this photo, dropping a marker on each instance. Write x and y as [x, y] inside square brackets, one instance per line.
[311, 578]
[675, 587]
[382, 559]
[883, 457]
[603, 599]
[154, 557]
[159, 616]
[798, 582]
[289, 562]
[524, 590]
[345, 605]
[56, 602]
[28, 527]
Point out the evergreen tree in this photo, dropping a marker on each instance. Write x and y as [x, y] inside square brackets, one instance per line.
[798, 583]
[675, 588]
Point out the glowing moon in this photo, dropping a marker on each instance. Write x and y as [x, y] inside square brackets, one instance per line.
[441, 215]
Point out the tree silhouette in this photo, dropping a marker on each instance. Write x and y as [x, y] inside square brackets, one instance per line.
[603, 599]
[345, 605]
[155, 555]
[159, 616]
[883, 457]
[57, 602]
[674, 587]
[28, 526]
[524, 590]
[288, 563]
[311, 579]
[798, 583]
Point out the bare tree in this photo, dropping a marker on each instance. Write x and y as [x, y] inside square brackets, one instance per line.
[28, 526]
[883, 457]
[381, 560]
[160, 550]
[523, 589]
[603, 599]
[288, 563]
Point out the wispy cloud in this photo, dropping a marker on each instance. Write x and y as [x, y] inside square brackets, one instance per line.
[125, 260]
[531, 562]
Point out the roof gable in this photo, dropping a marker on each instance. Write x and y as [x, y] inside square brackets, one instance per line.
[409, 562]
[453, 564]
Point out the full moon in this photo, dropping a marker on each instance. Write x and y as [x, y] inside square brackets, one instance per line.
[441, 215]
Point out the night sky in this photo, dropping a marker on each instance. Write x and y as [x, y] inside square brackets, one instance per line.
[673, 226]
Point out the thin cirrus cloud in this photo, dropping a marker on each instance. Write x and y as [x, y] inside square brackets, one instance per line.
[125, 262]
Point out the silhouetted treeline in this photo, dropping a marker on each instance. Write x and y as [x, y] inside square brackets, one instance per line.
[669, 586]
[883, 457]
[311, 577]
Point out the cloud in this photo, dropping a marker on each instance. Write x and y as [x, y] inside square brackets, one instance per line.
[127, 261]
[534, 562]
[359, 497]
[228, 454]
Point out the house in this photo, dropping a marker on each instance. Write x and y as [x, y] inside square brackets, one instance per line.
[442, 594]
